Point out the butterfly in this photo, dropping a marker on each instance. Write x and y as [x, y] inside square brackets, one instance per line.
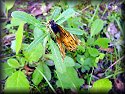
[64, 38]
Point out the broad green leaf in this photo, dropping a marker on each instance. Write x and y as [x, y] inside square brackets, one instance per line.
[26, 18]
[102, 42]
[9, 4]
[96, 27]
[90, 41]
[81, 48]
[37, 33]
[50, 56]
[84, 68]
[19, 37]
[77, 24]
[45, 40]
[6, 70]
[22, 61]
[13, 63]
[36, 77]
[24, 46]
[65, 15]
[69, 79]
[35, 42]
[8, 26]
[89, 62]
[16, 22]
[75, 31]
[34, 54]
[46, 71]
[86, 54]
[80, 59]
[101, 55]
[59, 64]
[17, 82]
[86, 63]
[77, 65]
[93, 51]
[69, 61]
[56, 13]
[101, 86]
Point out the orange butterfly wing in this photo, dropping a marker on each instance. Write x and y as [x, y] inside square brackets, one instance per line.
[63, 36]
[67, 39]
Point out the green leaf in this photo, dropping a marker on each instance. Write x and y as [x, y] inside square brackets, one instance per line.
[71, 24]
[17, 82]
[35, 42]
[75, 31]
[84, 68]
[24, 46]
[101, 86]
[90, 41]
[102, 42]
[81, 48]
[93, 52]
[69, 79]
[65, 15]
[19, 37]
[36, 77]
[96, 27]
[26, 18]
[34, 54]
[46, 71]
[59, 64]
[77, 65]
[13, 63]
[16, 22]
[42, 67]
[9, 4]
[89, 62]
[80, 59]
[69, 61]
[45, 40]
[22, 61]
[101, 55]
[37, 33]
[56, 13]
[6, 70]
